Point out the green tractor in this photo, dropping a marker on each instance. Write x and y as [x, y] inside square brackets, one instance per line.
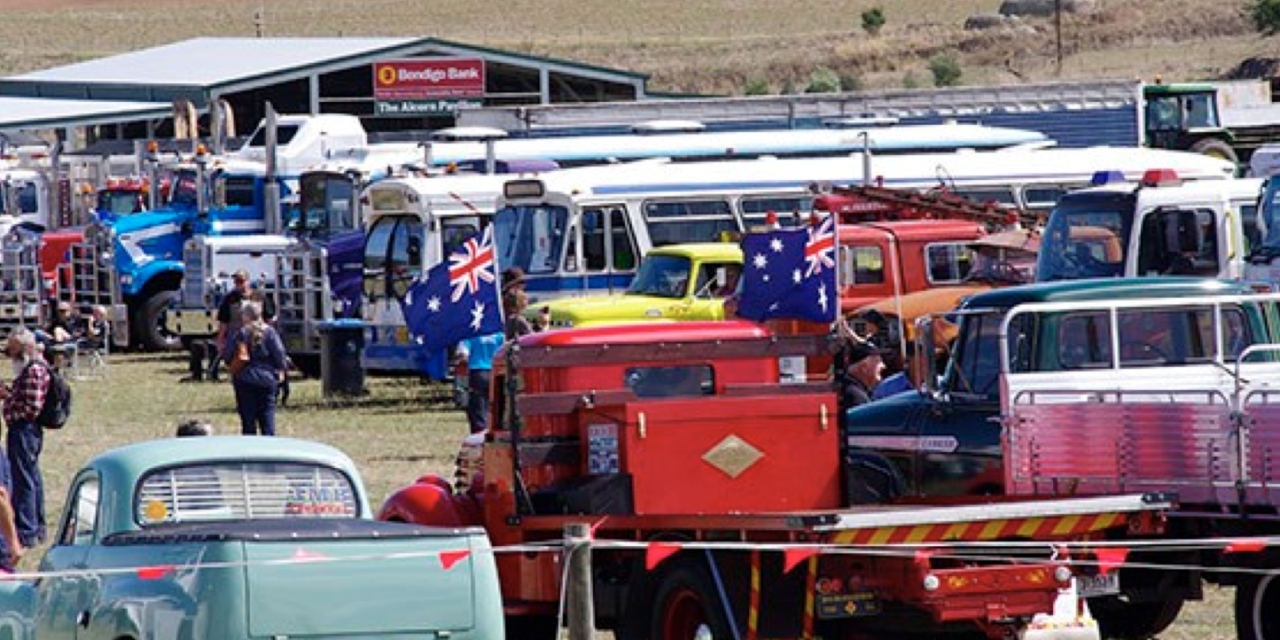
[1185, 116]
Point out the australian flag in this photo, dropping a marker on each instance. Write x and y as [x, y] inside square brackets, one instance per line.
[457, 298]
[790, 274]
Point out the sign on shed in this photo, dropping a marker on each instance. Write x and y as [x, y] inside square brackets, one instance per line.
[427, 86]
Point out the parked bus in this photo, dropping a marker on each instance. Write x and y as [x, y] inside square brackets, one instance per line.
[576, 233]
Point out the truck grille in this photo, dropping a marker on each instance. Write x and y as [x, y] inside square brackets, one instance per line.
[20, 283]
[193, 294]
[303, 297]
[90, 281]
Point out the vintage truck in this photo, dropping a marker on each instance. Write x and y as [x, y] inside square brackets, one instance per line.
[674, 282]
[227, 537]
[1101, 387]
[718, 497]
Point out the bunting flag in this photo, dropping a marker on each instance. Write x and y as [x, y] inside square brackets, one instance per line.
[792, 556]
[1246, 545]
[154, 573]
[1110, 558]
[450, 558]
[656, 552]
[790, 274]
[456, 299]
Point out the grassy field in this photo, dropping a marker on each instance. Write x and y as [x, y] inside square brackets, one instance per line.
[714, 46]
[402, 429]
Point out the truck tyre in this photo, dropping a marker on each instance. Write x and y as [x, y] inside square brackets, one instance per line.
[1257, 601]
[1216, 148]
[1125, 620]
[686, 606]
[148, 324]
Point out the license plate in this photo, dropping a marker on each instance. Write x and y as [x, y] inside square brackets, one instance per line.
[1101, 585]
[847, 605]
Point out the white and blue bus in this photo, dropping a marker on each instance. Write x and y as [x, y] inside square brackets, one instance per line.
[576, 232]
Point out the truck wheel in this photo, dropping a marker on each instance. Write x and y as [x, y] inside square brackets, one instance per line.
[686, 606]
[1257, 601]
[1125, 620]
[149, 324]
[1216, 148]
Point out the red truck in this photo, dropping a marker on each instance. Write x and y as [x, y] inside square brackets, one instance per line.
[719, 496]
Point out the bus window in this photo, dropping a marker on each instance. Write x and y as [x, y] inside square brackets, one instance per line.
[375, 257]
[791, 210]
[530, 237]
[623, 242]
[594, 234]
[1042, 197]
[404, 260]
[456, 230]
[949, 263]
[682, 221]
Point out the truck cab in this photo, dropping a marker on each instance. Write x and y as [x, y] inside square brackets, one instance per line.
[947, 439]
[1185, 116]
[674, 282]
[1160, 226]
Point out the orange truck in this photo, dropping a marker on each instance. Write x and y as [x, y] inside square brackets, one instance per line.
[721, 501]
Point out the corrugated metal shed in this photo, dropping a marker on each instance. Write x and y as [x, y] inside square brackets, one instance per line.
[41, 113]
[300, 72]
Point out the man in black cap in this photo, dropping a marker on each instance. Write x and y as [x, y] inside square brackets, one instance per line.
[863, 368]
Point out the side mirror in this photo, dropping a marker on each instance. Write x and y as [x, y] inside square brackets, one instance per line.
[924, 342]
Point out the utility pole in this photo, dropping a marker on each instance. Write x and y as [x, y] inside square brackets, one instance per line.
[1057, 29]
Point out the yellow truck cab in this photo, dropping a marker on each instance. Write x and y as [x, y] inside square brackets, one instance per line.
[674, 282]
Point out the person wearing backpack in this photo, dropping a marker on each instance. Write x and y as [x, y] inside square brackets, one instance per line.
[257, 377]
[23, 400]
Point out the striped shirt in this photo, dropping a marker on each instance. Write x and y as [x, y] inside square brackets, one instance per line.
[26, 394]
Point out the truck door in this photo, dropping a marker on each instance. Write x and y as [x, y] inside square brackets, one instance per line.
[958, 450]
[67, 597]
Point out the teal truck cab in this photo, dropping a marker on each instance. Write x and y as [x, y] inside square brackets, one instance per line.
[222, 537]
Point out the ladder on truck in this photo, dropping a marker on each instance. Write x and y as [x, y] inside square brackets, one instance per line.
[303, 297]
[20, 283]
[872, 203]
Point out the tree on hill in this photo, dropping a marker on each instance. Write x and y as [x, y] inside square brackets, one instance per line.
[1265, 15]
[873, 20]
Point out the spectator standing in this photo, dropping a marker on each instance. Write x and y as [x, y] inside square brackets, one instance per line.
[23, 400]
[514, 303]
[257, 385]
[229, 318]
[475, 355]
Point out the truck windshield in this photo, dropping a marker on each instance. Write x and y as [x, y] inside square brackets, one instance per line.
[328, 204]
[225, 491]
[662, 276]
[530, 237]
[121, 202]
[974, 368]
[1086, 237]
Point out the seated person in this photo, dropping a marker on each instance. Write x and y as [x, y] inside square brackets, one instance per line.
[65, 325]
[97, 330]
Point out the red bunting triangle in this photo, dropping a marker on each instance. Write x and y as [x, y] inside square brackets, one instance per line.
[1110, 558]
[656, 552]
[154, 573]
[792, 556]
[450, 558]
[1247, 545]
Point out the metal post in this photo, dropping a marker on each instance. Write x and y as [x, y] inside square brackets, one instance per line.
[1057, 29]
[271, 184]
[579, 605]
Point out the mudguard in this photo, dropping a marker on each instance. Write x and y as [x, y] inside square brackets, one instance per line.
[431, 501]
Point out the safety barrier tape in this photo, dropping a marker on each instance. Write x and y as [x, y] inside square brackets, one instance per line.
[1108, 554]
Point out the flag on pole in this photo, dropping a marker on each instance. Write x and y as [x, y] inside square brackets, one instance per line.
[790, 274]
[456, 299]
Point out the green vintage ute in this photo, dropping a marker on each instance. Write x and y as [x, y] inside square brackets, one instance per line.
[674, 282]
[234, 537]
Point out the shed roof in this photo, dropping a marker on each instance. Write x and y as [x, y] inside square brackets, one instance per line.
[41, 113]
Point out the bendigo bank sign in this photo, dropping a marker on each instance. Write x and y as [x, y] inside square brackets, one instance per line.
[427, 85]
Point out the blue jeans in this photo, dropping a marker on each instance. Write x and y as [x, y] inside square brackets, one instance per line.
[257, 408]
[478, 399]
[25, 440]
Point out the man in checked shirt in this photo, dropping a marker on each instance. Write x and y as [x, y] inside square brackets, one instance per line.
[22, 402]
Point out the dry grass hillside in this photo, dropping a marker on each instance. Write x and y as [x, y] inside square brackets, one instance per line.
[712, 46]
